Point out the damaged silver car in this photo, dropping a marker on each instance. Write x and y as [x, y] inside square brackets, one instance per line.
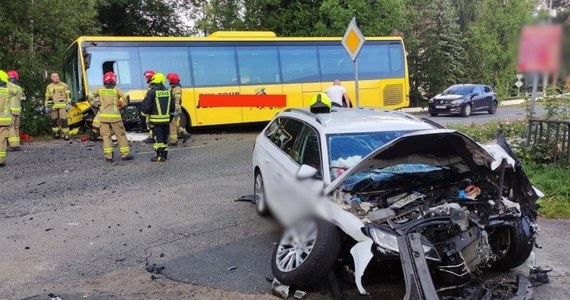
[394, 188]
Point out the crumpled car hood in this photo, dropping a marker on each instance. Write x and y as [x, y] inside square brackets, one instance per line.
[437, 147]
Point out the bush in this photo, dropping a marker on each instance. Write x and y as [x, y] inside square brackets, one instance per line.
[34, 121]
[483, 133]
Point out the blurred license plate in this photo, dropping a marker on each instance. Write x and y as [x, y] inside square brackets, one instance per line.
[440, 106]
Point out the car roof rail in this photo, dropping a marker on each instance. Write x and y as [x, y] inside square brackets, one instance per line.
[433, 123]
[308, 113]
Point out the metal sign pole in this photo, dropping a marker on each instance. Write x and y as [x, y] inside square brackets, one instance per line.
[534, 91]
[356, 90]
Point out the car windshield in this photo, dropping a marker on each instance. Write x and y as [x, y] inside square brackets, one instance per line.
[458, 90]
[347, 149]
[396, 176]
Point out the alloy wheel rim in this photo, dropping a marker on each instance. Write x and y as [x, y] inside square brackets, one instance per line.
[296, 245]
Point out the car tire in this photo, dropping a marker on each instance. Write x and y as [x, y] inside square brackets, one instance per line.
[433, 114]
[466, 110]
[297, 268]
[513, 243]
[259, 195]
[493, 108]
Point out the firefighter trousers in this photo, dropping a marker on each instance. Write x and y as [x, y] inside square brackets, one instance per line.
[59, 121]
[161, 145]
[175, 130]
[118, 128]
[4, 132]
[14, 132]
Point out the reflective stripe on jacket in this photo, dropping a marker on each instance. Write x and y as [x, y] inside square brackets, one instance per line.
[5, 114]
[162, 100]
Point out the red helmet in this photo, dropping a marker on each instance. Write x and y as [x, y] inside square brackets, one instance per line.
[173, 78]
[109, 77]
[148, 75]
[13, 74]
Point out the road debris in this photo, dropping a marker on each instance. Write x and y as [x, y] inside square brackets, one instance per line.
[299, 295]
[232, 268]
[539, 275]
[245, 198]
[280, 290]
[54, 297]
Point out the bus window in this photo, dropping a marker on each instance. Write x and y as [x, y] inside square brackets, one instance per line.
[213, 66]
[167, 60]
[374, 62]
[299, 64]
[397, 60]
[335, 64]
[72, 71]
[122, 61]
[249, 61]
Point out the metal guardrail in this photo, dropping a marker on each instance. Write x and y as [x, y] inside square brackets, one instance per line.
[550, 137]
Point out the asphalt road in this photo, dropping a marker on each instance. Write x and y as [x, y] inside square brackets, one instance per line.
[77, 226]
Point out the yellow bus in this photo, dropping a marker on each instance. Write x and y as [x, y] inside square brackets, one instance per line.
[240, 77]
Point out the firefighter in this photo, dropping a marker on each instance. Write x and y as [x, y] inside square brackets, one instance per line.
[320, 103]
[111, 99]
[175, 129]
[16, 107]
[150, 139]
[57, 103]
[158, 104]
[7, 93]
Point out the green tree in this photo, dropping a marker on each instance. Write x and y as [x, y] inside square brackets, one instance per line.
[34, 39]
[493, 42]
[435, 46]
[142, 18]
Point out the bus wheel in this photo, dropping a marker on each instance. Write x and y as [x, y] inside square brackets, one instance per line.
[185, 120]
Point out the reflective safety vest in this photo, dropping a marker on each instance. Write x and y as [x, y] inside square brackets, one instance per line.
[5, 114]
[109, 105]
[16, 105]
[58, 94]
[162, 115]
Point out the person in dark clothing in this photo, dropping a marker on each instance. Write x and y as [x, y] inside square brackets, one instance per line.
[159, 105]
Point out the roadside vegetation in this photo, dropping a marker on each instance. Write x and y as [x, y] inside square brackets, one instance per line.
[552, 179]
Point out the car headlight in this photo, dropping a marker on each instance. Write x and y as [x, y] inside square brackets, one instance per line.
[458, 101]
[389, 241]
[431, 100]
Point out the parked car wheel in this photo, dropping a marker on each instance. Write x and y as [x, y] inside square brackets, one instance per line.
[513, 243]
[493, 108]
[306, 253]
[433, 114]
[259, 195]
[466, 110]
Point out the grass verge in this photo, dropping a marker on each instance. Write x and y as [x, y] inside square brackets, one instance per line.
[554, 182]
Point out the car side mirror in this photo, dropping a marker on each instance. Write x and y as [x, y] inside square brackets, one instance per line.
[306, 172]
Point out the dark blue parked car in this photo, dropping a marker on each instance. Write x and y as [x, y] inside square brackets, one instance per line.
[464, 99]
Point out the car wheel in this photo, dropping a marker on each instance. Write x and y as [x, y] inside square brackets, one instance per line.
[259, 195]
[466, 110]
[306, 253]
[433, 114]
[512, 244]
[493, 108]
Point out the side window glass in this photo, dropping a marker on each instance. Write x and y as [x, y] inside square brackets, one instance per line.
[286, 137]
[272, 129]
[250, 60]
[487, 89]
[214, 66]
[167, 60]
[335, 63]
[309, 149]
[299, 64]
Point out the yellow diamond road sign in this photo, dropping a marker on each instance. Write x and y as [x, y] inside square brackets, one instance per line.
[353, 40]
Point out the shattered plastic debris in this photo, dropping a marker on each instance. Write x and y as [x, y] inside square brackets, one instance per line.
[232, 268]
[539, 275]
[246, 198]
[54, 297]
[299, 295]
[280, 290]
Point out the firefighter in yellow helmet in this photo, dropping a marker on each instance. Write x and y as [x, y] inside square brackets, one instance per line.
[57, 104]
[320, 103]
[7, 93]
[175, 129]
[16, 107]
[159, 105]
[111, 99]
